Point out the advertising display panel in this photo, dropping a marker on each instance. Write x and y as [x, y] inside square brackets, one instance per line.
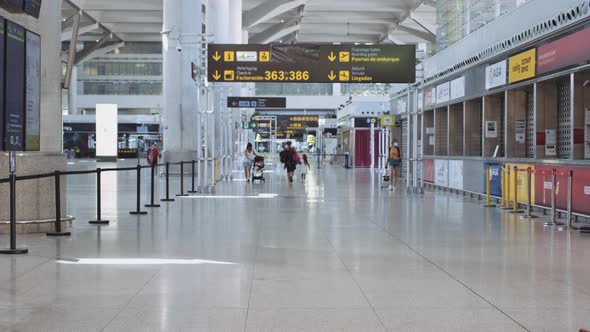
[313, 63]
[458, 88]
[522, 66]
[496, 75]
[495, 178]
[565, 52]
[441, 173]
[429, 97]
[443, 93]
[428, 169]
[15, 87]
[456, 174]
[33, 92]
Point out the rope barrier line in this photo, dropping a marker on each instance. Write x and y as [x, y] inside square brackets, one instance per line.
[56, 175]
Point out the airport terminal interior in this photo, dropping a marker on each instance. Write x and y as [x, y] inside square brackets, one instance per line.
[295, 165]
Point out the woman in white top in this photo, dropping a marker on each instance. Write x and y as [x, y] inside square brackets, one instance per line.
[248, 161]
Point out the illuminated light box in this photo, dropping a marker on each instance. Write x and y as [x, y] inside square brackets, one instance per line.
[106, 132]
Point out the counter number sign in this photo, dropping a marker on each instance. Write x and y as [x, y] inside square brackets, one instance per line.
[310, 63]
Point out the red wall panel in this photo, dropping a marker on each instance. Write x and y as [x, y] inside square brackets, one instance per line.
[428, 170]
[580, 190]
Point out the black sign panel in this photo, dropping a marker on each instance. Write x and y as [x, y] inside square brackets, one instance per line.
[33, 7]
[15, 87]
[255, 102]
[2, 57]
[312, 63]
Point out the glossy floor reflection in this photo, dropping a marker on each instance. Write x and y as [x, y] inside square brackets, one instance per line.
[335, 254]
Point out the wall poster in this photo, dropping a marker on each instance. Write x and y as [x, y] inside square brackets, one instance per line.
[33, 92]
[491, 129]
[550, 142]
[441, 173]
[456, 174]
[520, 131]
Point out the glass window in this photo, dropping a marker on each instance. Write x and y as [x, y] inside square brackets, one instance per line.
[123, 88]
[122, 69]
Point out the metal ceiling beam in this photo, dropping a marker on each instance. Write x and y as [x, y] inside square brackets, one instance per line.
[427, 36]
[67, 35]
[67, 22]
[108, 47]
[276, 32]
[72, 53]
[268, 10]
[424, 25]
[86, 52]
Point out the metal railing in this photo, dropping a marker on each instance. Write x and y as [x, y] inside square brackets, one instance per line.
[13, 179]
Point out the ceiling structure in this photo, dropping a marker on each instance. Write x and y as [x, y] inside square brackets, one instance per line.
[129, 20]
[342, 21]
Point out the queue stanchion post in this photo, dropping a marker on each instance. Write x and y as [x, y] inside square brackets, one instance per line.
[488, 189]
[569, 221]
[506, 188]
[182, 194]
[553, 221]
[515, 209]
[167, 199]
[13, 250]
[99, 220]
[529, 203]
[193, 189]
[57, 231]
[152, 188]
[138, 194]
[502, 185]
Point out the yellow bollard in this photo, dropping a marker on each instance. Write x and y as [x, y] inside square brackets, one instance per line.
[506, 189]
[488, 189]
[515, 192]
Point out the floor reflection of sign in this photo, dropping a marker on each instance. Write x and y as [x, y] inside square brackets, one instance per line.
[550, 142]
[520, 131]
[491, 129]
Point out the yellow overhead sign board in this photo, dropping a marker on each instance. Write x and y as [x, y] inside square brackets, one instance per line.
[522, 66]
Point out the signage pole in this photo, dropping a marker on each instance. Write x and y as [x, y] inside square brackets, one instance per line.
[372, 146]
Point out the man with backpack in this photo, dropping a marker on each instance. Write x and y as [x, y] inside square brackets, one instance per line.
[290, 159]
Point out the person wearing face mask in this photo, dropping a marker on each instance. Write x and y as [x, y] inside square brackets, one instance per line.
[394, 162]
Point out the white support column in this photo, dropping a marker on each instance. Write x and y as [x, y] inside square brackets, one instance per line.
[182, 24]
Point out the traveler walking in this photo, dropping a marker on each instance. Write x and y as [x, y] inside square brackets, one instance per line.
[394, 162]
[305, 167]
[249, 155]
[289, 159]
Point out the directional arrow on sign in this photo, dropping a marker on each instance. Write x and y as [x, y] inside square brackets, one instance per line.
[234, 104]
[332, 76]
[216, 56]
[332, 57]
[217, 76]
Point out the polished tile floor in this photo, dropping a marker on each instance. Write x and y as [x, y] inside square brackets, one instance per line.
[335, 254]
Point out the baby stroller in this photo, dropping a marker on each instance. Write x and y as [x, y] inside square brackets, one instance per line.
[257, 169]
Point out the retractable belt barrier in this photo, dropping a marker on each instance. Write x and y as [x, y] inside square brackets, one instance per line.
[57, 175]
